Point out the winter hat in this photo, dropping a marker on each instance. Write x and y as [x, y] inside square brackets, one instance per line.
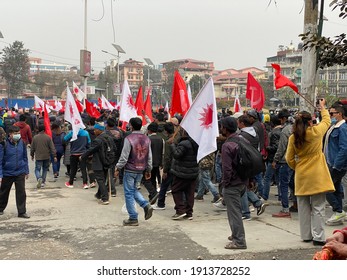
[266, 118]
[99, 126]
[229, 123]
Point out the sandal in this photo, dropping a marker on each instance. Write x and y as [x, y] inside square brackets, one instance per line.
[233, 246]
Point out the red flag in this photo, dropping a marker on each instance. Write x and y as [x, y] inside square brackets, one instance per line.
[91, 110]
[113, 103]
[100, 103]
[148, 106]
[79, 106]
[255, 93]
[47, 122]
[237, 105]
[282, 81]
[139, 105]
[179, 98]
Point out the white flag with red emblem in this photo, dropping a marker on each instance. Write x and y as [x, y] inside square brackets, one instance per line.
[79, 93]
[189, 92]
[237, 105]
[39, 104]
[127, 106]
[72, 115]
[201, 122]
[105, 104]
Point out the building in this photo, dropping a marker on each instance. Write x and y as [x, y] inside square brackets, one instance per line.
[231, 82]
[188, 68]
[36, 66]
[132, 71]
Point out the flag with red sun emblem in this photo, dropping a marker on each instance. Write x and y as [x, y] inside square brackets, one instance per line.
[127, 107]
[72, 115]
[79, 93]
[201, 122]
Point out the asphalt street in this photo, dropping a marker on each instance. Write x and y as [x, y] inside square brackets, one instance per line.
[69, 224]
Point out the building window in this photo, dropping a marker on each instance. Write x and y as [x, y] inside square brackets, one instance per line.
[332, 76]
[343, 76]
[322, 76]
[129, 77]
[332, 90]
[343, 90]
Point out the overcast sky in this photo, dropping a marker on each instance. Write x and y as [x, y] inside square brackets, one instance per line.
[230, 33]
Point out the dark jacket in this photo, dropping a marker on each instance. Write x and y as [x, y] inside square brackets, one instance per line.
[230, 178]
[274, 138]
[95, 150]
[157, 147]
[167, 157]
[184, 164]
[13, 158]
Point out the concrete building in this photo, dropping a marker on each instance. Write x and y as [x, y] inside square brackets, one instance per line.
[132, 71]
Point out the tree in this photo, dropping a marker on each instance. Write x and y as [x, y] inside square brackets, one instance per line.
[329, 51]
[15, 67]
[196, 83]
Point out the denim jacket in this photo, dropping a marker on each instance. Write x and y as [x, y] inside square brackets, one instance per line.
[336, 149]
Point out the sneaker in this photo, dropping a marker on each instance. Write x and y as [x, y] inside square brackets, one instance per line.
[97, 196]
[336, 218]
[85, 186]
[113, 194]
[130, 222]
[261, 208]
[43, 185]
[246, 218]
[153, 200]
[39, 183]
[251, 209]
[148, 211]
[199, 198]
[293, 209]
[92, 185]
[67, 184]
[179, 216]
[220, 205]
[189, 218]
[104, 202]
[156, 207]
[282, 214]
[216, 199]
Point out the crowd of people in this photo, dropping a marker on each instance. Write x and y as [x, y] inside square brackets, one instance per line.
[304, 155]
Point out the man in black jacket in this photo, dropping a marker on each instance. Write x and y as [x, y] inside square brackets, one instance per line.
[185, 170]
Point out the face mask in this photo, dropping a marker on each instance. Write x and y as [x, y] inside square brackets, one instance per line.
[16, 137]
[333, 120]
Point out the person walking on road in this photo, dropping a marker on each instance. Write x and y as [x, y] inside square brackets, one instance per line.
[136, 157]
[14, 168]
[42, 148]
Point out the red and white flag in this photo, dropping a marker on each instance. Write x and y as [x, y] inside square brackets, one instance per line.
[148, 106]
[255, 93]
[105, 104]
[201, 121]
[166, 108]
[58, 105]
[72, 115]
[79, 93]
[39, 104]
[127, 106]
[237, 105]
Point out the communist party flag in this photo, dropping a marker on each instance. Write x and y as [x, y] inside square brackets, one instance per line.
[47, 122]
[282, 81]
[148, 106]
[179, 98]
[91, 110]
[139, 105]
[255, 93]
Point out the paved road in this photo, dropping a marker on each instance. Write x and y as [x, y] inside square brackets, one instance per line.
[70, 224]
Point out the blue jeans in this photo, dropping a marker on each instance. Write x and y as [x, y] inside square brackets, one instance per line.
[56, 165]
[335, 198]
[259, 179]
[44, 165]
[132, 194]
[285, 174]
[218, 167]
[205, 182]
[251, 197]
[269, 173]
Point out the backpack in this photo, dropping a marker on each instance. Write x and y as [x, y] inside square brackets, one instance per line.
[249, 159]
[107, 151]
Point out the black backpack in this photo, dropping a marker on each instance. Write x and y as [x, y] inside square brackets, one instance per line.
[107, 151]
[249, 159]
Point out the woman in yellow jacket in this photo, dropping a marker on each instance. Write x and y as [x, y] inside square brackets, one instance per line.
[312, 177]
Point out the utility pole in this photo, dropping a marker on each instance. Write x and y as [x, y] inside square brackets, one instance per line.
[309, 58]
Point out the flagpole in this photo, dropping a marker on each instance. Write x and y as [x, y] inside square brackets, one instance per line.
[308, 101]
